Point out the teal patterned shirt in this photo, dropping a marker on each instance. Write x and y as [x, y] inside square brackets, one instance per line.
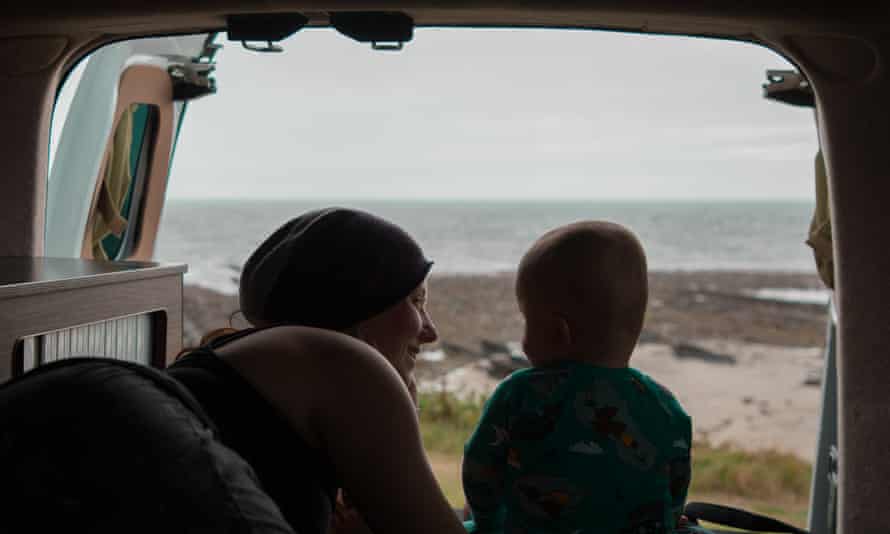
[574, 448]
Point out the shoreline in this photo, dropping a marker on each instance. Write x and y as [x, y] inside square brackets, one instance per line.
[471, 308]
[746, 369]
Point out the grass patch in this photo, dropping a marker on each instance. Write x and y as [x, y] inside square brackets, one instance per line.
[767, 482]
[447, 470]
[766, 475]
[446, 422]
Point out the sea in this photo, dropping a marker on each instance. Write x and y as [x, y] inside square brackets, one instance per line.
[214, 237]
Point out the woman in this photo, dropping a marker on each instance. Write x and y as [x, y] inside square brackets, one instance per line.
[320, 394]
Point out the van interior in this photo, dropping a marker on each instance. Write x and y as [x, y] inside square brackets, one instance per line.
[83, 196]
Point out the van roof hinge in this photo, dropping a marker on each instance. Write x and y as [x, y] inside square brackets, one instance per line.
[255, 28]
[385, 30]
[191, 78]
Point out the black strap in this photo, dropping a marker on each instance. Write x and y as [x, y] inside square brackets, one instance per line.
[733, 517]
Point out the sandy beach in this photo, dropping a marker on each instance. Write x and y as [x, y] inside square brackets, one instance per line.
[747, 369]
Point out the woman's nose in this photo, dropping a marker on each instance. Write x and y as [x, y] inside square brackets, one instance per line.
[428, 332]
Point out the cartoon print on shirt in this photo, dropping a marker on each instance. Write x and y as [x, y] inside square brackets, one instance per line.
[546, 497]
[606, 413]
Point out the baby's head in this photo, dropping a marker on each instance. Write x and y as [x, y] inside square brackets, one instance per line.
[582, 289]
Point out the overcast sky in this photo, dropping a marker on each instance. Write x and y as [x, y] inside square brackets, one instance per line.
[495, 114]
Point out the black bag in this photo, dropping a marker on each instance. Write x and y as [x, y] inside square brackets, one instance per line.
[103, 446]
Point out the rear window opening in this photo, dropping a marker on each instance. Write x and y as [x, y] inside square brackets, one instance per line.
[478, 141]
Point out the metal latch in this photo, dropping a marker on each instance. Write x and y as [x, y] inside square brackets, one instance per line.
[385, 30]
[833, 461]
[258, 32]
[191, 78]
[790, 87]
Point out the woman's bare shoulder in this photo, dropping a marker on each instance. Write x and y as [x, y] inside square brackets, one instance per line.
[293, 343]
[303, 372]
[306, 355]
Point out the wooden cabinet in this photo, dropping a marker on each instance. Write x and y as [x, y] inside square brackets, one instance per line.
[54, 308]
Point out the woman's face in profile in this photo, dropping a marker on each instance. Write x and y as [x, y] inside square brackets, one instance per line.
[400, 332]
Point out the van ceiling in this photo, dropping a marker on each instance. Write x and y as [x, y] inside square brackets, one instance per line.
[728, 18]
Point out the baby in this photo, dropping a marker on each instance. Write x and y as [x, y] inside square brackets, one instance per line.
[580, 442]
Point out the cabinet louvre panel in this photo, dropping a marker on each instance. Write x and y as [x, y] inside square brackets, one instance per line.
[124, 338]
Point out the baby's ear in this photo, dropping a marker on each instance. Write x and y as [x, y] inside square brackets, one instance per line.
[562, 333]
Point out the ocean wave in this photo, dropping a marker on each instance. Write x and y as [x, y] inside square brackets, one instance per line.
[221, 278]
[800, 296]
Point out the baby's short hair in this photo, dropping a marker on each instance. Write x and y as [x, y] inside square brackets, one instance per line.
[593, 273]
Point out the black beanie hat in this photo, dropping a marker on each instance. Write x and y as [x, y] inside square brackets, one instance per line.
[330, 268]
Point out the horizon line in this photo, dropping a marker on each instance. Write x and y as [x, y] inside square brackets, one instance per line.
[566, 200]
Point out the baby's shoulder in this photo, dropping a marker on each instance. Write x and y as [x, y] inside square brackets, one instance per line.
[664, 395]
[655, 385]
[537, 381]
[512, 383]
[538, 377]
